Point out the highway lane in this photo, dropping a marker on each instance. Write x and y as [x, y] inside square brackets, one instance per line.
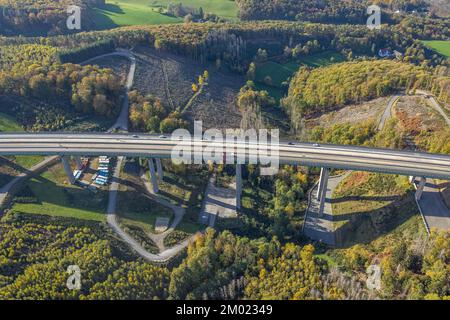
[341, 157]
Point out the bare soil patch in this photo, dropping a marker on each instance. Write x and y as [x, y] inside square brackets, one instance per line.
[416, 114]
[353, 114]
[170, 78]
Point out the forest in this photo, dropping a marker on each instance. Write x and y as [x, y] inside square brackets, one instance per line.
[34, 72]
[237, 43]
[328, 11]
[148, 114]
[35, 254]
[45, 17]
[319, 90]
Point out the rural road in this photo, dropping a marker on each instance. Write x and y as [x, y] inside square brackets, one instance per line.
[179, 213]
[387, 114]
[122, 124]
[112, 221]
[435, 212]
[122, 120]
[435, 104]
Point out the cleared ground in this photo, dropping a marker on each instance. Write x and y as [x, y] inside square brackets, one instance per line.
[170, 78]
[417, 114]
[353, 114]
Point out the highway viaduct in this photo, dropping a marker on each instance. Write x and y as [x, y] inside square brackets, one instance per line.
[154, 148]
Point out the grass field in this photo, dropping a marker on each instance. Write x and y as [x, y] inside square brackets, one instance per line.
[366, 205]
[28, 161]
[136, 209]
[9, 124]
[280, 73]
[146, 220]
[442, 47]
[322, 59]
[365, 192]
[277, 72]
[140, 12]
[56, 198]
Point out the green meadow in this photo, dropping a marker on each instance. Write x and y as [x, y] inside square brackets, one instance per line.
[442, 47]
[141, 12]
[280, 73]
[57, 198]
[9, 124]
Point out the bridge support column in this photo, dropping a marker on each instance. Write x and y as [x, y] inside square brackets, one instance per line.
[322, 189]
[238, 185]
[159, 169]
[420, 187]
[153, 178]
[323, 181]
[78, 162]
[66, 163]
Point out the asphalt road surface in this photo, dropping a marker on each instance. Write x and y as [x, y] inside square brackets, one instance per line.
[331, 156]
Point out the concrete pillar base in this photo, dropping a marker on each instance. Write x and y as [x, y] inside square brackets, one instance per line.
[238, 185]
[323, 181]
[78, 162]
[159, 169]
[322, 189]
[66, 163]
[153, 177]
[421, 186]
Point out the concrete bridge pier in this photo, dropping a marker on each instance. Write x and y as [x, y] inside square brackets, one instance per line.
[322, 189]
[78, 162]
[420, 187]
[153, 177]
[159, 169]
[238, 185]
[66, 163]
